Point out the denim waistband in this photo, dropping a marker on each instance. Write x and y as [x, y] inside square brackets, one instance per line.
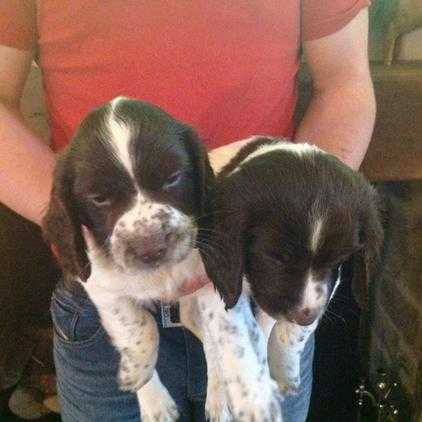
[73, 296]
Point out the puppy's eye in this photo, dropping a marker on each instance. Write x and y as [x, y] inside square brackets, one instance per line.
[173, 180]
[100, 200]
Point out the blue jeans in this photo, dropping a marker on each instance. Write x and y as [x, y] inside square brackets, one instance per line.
[87, 363]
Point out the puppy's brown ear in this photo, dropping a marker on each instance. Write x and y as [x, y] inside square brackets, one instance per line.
[204, 174]
[223, 246]
[365, 263]
[222, 254]
[61, 226]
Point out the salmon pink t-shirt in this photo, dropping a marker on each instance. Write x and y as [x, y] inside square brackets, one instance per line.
[227, 68]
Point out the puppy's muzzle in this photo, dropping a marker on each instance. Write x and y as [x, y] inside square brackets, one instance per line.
[304, 316]
[148, 249]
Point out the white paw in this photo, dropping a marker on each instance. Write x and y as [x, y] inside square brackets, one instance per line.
[285, 370]
[169, 413]
[156, 405]
[216, 405]
[289, 386]
[262, 403]
[285, 346]
[217, 409]
[287, 375]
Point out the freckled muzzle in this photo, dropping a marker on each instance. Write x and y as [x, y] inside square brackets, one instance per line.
[304, 316]
[315, 299]
[166, 236]
[304, 305]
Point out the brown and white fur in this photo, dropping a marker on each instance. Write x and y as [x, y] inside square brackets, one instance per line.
[129, 197]
[291, 222]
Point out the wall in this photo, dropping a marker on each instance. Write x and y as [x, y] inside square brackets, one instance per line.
[400, 19]
[411, 46]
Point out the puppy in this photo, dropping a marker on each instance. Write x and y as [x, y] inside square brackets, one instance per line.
[292, 221]
[125, 217]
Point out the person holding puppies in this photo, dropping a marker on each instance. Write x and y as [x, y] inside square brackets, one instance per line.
[226, 68]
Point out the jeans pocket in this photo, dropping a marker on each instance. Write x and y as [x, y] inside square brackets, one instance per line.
[74, 326]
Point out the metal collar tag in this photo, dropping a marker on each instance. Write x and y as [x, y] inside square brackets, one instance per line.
[170, 315]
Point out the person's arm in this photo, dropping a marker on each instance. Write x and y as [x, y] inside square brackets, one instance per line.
[341, 115]
[26, 162]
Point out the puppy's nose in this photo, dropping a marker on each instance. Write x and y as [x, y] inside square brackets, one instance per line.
[149, 249]
[304, 316]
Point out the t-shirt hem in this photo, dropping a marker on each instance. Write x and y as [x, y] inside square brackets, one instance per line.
[330, 26]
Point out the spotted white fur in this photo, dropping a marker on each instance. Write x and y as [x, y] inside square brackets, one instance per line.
[285, 346]
[252, 394]
[147, 217]
[287, 340]
[239, 381]
[314, 294]
[152, 394]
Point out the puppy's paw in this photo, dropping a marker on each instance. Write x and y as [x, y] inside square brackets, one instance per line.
[216, 405]
[217, 409]
[287, 376]
[289, 386]
[157, 405]
[160, 413]
[259, 404]
[285, 346]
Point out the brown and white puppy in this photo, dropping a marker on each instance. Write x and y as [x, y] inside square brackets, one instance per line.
[291, 218]
[125, 216]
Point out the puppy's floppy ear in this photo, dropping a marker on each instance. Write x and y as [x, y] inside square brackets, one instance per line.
[365, 264]
[224, 251]
[203, 172]
[61, 226]
[220, 237]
